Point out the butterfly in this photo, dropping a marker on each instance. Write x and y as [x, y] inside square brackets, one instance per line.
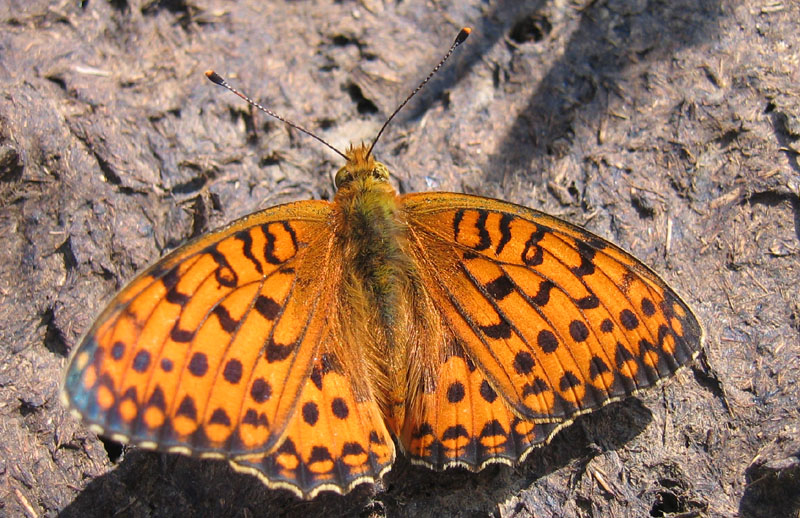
[307, 342]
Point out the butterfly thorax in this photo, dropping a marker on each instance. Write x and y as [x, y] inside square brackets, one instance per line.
[379, 276]
[370, 227]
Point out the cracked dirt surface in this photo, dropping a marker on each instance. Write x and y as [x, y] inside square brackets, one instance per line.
[671, 128]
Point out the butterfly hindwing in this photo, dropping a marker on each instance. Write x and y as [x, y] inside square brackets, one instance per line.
[207, 351]
[464, 422]
[336, 437]
[558, 320]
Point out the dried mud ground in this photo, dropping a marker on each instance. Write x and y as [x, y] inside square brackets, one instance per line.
[669, 127]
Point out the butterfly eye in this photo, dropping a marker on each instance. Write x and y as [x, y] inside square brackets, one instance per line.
[342, 177]
[381, 172]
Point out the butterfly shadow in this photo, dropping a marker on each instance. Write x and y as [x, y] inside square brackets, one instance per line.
[457, 489]
[148, 483]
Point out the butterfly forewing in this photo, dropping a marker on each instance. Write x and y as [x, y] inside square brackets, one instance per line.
[208, 350]
[558, 320]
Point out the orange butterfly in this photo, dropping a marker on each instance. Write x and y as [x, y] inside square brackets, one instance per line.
[299, 342]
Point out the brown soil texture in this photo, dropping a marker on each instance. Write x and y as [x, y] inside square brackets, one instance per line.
[671, 127]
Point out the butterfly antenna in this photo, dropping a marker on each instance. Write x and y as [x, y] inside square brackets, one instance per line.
[462, 36]
[218, 79]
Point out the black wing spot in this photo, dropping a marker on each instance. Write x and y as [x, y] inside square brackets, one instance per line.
[524, 362]
[454, 432]
[352, 448]
[260, 390]
[198, 365]
[533, 254]
[645, 345]
[542, 297]
[497, 331]
[607, 326]
[181, 335]
[500, 288]
[622, 355]
[269, 246]
[585, 268]
[485, 241]
[220, 416]
[173, 296]
[586, 249]
[568, 381]
[597, 367]
[170, 278]
[457, 223]
[141, 361]
[267, 307]
[226, 276]
[254, 418]
[587, 253]
[578, 330]
[537, 387]
[339, 408]
[227, 322]
[328, 362]
[648, 308]
[232, 371]
[118, 350]
[157, 399]
[547, 341]
[588, 302]
[492, 429]
[278, 352]
[628, 319]
[455, 392]
[187, 408]
[320, 454]
[487, 392]
[247, 248]
[422, 430]
[310, 413]
[170, 281]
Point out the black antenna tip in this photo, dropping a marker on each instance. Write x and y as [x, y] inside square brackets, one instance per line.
[214, 77]
[462, 35]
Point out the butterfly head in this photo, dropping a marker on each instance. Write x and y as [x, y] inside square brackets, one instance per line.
[361, 167]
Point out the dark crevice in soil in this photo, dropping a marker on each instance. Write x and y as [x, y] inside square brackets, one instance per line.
[113, 448]
[534, 27]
